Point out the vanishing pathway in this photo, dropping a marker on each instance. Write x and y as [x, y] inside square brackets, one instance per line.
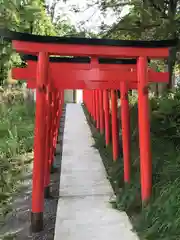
[84, 211]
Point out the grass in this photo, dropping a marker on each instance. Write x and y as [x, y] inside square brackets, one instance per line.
[16, 141]
[160, 218]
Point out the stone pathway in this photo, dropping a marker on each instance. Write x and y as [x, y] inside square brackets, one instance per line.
[84, 211]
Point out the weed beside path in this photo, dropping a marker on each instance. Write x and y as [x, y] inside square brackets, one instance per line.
[16, 148]
[16, 143]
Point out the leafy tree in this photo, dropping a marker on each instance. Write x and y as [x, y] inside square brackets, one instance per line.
[24, 16]
[147, 19]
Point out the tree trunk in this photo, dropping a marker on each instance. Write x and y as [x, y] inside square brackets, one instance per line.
[171, 64]
[172, 9]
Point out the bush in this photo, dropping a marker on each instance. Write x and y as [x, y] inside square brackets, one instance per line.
[16, 140]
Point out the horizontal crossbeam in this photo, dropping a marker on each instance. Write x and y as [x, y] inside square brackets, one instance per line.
[67, 78]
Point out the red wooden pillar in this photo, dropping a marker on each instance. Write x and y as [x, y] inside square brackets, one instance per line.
[86, 97]
[62, 99]
[48, 130]
[91, 100]
[39, 141]
[115, 134]
[57, 105]
[94, 97]
[83, 96]
[125, 124]
[101, 111]
[58, 117]
[55, 125]
[106, 116]
[54, 121]
[60, 103]
[144, 130]
[51, 157]
[87, 102]
[97, 110]
[91, 103]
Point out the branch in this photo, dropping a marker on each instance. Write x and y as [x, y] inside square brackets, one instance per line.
[157, 8]
[105, 5]
[88, 7]
[118, 28]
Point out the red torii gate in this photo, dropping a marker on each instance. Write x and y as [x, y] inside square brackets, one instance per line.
[126, 69]
[45, 46]
[80, 69]
[125, 75]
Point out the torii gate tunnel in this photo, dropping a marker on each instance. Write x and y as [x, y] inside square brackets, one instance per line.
[97, 66]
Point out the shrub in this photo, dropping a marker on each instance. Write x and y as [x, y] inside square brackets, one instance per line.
[16, 140]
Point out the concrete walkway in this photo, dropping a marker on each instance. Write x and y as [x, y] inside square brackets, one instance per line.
[84, 211]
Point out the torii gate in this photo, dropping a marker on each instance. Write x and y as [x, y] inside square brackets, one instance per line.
[44, 46]
[126, 72]
[126, 69]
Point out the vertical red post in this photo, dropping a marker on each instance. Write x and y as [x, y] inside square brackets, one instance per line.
[56, 120]
[92, 100]
[106, 116]
[48, 130]
[39, 153]
[87, 101]
[101, 111]
[144, 130]
[94, 97]
[51, 152]
[91, 103]
[58, 117]
[83, 97]
[97, 110]
[125, 124]
[115, 134]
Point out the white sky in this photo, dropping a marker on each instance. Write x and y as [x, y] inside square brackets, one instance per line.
[92, 16]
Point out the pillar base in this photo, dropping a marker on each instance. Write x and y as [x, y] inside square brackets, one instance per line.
[47, 192]
[54, 169]
[56, 153]
[36, 222]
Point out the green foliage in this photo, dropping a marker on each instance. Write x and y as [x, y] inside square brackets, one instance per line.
[159, 219]
[25, 16]
[146, 20]
[16, 140]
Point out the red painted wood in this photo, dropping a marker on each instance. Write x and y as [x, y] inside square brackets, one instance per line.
[125, 124]
[94, 105]
[144, 130]
[115, 135]
[48, 130]
[101, 111]
[106, 116]
[97, 110]
[100, 81]
[87, 50]
[40, 136]
[100, 77]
